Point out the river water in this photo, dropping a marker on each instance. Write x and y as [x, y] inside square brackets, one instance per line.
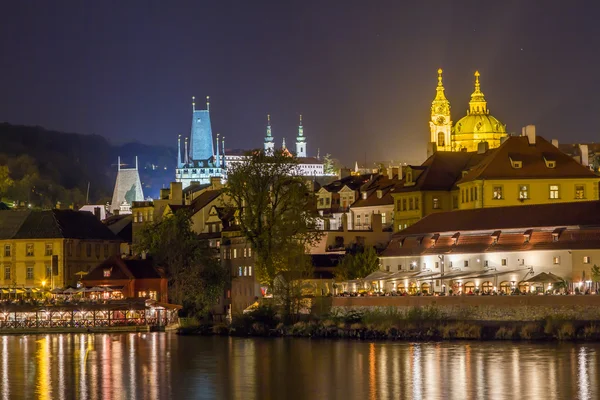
[164, 365]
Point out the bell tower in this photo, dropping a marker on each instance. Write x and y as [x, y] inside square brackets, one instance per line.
[440, 124]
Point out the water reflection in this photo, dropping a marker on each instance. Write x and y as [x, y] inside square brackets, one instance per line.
[139, 366]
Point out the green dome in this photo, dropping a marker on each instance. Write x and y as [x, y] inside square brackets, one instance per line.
[478, 124]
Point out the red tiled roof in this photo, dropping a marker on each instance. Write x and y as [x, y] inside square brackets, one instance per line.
[497, 165]
[585, 213]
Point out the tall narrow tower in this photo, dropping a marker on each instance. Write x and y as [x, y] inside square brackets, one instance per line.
[440, 124]
[269, 143]
[300, 141]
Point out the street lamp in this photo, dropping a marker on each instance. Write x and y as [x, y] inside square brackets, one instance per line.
[43, 284]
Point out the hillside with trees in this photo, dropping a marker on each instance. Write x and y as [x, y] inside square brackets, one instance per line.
[42, 167]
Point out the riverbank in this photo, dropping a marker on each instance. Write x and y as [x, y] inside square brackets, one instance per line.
[414, 324]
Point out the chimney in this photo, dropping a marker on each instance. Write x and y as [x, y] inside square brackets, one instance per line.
[379, 193]
[176, 193]
[431, 148]
[164, 194]
[583, 149]
[529, 131]
[482, 147]
[376, 225]
[390, 172]
[215, 182]
[345, 222]
[555, 143]
[97, 213]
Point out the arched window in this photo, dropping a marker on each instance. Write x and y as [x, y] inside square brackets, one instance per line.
[487, 287]
[505, 287]
[412, 288]
[441, 140]
[469, 288]
[425, 288]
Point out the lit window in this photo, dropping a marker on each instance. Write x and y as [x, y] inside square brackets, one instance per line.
[245, 271]
[29, 250]
[240, 271]
[556, 260]
[579, 191]
[523, 192]
[29, 275]
[6, 273]
[436, 203]
[7, 250]
[234, 253]
[107, 273]
[383, 218]
[497, 193]
[554, 192]
[250, 271]
[586, 259]
[504, 262]
[517, 164]
[245, 252]
[249, 251]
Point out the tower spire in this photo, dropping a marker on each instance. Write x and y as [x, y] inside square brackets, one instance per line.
[217, 161]
[207, 103]
[269, 144]
[477, 105]
[300, 141]
[193, 103]
[186, 154]
[440, 125]
[179, 152]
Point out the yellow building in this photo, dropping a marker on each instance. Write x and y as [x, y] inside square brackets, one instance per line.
[431, 187]
[526, 170]
[46, 249]
[476, 127]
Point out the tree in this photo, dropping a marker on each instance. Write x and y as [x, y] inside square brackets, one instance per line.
[596, 275]
[196, 279]
[5, 180]
[276, 213]
[328, 166]
[358, 265]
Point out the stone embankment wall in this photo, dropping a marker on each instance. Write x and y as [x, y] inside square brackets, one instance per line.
[482, 308]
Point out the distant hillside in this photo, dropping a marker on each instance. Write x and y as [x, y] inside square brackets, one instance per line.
[49, 166]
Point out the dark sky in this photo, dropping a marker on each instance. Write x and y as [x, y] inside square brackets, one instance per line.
[362, 73]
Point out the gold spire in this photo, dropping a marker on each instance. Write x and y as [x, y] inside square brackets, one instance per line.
[439, 95]
[478, 105]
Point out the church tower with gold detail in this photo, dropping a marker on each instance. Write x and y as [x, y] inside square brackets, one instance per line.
[440, 124]
[476, 127]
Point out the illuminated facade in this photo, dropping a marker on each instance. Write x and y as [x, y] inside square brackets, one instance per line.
[476, 127]
[200, 162]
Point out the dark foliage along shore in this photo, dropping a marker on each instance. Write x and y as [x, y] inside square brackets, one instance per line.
[419, 324]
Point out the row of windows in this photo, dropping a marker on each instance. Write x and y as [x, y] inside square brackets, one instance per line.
[140, 216]
[49, 249]
[29, 272]
[245, 271]
[228, 254]
[524, 193]
[503, 262]
[407, 204]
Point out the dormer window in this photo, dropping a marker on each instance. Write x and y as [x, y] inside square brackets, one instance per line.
[495, 237]
[107, 272]
[551, 164]
[464, 173]
[517, 164]
[527, 236]
[556, 234]
[401, 242]
[409, 176]
[364, 195]
[379, 194]
[455, 237]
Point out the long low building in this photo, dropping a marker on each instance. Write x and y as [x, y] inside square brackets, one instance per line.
[495, 249]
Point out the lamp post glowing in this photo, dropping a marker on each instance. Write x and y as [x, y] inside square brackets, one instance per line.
[44, 284]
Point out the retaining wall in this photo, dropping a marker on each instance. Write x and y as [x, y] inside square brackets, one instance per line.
[483, 308]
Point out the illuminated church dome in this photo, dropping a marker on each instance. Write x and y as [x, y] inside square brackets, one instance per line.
[477, 126]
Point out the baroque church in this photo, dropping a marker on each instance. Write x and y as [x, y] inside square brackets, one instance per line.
[476, 127]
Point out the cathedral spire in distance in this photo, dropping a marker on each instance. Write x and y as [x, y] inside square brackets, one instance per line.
[477, 105]
[300, 141]
[269, 143]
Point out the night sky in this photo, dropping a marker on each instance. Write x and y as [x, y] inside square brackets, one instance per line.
[363, 74]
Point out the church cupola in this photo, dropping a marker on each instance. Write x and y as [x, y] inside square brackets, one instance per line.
[269, 143]
[300, 141]
[478, 105]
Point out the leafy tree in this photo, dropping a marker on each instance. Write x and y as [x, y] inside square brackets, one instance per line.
[358, 265]
[196, 279]
[5, 180]
[276, 215]
[596, 275]
[328, 166]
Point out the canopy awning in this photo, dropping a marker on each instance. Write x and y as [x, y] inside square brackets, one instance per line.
[544, 277]
[377, 275]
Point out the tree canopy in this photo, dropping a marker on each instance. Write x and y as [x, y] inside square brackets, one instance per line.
[358, 265]
[196, 278]
[276, 213]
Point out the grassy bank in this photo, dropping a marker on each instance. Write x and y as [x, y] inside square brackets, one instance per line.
[417, 324]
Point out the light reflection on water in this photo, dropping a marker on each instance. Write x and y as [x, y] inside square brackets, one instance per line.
[159, 365]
